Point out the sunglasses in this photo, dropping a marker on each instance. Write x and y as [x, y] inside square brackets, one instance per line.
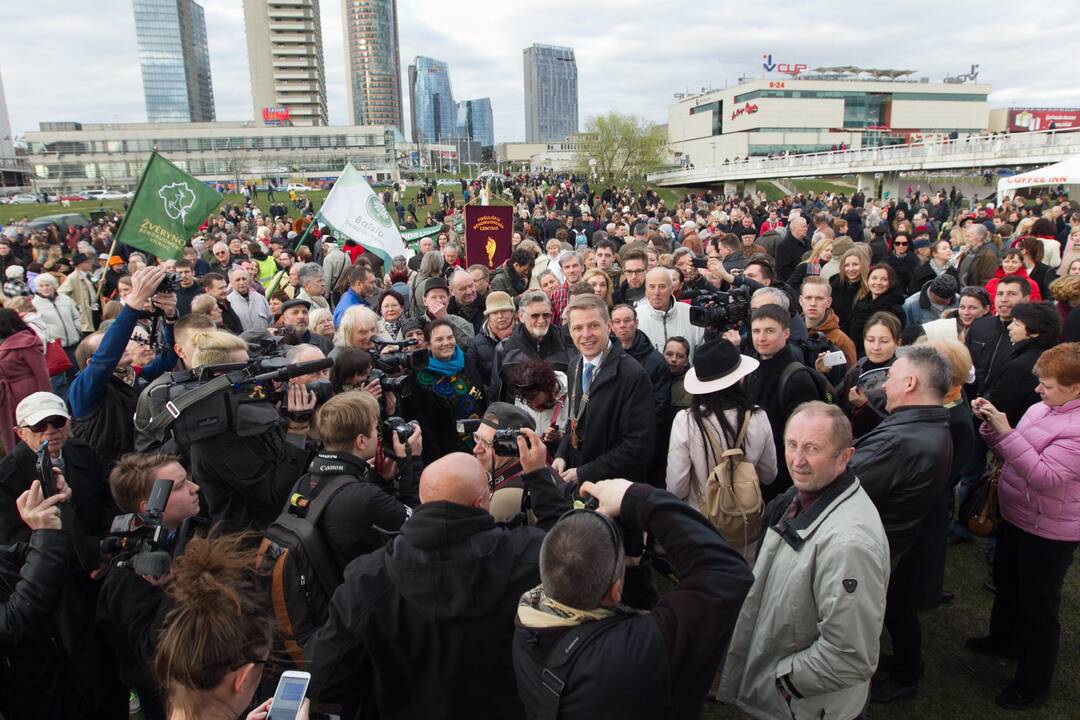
[901, 244]
[55, 422]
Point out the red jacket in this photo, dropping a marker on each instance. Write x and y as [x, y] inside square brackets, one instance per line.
[991, 287]
[22, 372]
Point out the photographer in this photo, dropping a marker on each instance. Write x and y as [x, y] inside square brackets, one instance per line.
[505, 471]
[612, 661]
[376, 498]
[131, 608]
[246, 471]
[104, 394]
[33, 576]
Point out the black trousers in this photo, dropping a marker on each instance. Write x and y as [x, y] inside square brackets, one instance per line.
[1029, 572]
[902, 619]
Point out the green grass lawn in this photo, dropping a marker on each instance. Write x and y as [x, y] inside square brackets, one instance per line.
[959, 684]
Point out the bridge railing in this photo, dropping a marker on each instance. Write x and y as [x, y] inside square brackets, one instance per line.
[974, 147]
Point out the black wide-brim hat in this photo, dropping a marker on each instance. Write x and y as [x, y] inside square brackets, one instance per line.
[717, 365]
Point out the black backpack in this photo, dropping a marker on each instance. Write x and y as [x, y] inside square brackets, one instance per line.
[825, 391]
[302, 572]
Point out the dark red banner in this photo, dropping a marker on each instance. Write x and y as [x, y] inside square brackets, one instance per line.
[489, 230]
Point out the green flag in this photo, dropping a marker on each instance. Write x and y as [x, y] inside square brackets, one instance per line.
[168, 208]
[353, 210]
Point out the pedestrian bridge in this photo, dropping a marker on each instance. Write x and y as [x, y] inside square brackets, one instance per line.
[884, 164]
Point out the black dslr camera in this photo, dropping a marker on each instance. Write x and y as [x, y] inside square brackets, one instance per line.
[169, 283]
[401, 361]
[720, 310]
[505, 442]
[141, 536]
[399, 427]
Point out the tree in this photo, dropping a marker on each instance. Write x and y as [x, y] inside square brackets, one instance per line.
[620, 148]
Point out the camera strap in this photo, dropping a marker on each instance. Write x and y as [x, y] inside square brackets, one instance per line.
[173, 408]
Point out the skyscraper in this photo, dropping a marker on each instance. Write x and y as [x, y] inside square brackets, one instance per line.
[285, 57]
[373, 62]
[175, 60]
[474, 121]
[432, 110]
[551, 93]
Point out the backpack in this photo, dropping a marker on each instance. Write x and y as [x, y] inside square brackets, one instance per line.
[302, 572]
[731, 499]
[825, 391]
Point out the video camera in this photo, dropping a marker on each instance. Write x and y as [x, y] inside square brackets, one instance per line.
[718, 309]
[141, 536]
[232, 397]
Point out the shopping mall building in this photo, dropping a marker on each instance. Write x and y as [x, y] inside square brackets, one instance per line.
[75, 156]
[817, 114]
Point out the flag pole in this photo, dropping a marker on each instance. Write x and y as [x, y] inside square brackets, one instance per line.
[123, 221]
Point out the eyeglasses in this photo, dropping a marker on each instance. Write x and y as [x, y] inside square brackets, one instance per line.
[901, 244]
[55, 422]
[489, 444]
[537, 316]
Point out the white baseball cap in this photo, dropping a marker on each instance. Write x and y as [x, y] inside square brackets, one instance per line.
[35, 407]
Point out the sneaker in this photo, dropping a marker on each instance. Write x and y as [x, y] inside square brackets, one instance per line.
[1013, 698]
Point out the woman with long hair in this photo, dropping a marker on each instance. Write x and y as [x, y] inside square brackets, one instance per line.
[881, 337]
[820, 254]
[849, 285]
[600, 282]
[216, 639]
[716, 418]
[358, 328]
[885, 295]
[1032, 252]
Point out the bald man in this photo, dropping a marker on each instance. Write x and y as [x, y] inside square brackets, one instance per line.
[424, 626]
[660, 317]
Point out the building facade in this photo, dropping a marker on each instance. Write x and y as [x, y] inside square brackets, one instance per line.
[175, 60]
[74, 156]
[769, 117]
[433, 113]
[551, 93]
[285, 58]
[475, 122]
[1033, 119]
[372, 62]
[13, 170]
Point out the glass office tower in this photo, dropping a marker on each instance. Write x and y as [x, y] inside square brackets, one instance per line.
[373, 62]
[431, 101]
[551, 93]
[474, 121]
[175, 60]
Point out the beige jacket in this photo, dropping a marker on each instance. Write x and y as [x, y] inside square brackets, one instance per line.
[689, 464]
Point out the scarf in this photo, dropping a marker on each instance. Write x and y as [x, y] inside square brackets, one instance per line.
[453, 366]
[391, 327]
[537, 610]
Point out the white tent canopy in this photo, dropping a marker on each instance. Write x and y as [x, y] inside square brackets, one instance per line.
[1066, 172]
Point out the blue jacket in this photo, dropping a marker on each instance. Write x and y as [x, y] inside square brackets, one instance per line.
[348, 300]
[89, 386]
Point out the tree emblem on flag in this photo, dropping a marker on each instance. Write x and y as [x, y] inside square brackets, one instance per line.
[378, 211]
[178, 198]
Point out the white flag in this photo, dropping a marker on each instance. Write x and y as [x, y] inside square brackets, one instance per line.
[353, 210]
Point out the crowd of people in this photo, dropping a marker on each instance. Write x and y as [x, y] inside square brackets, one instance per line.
[664, 455]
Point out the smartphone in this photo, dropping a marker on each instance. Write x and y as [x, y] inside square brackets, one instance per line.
[700, 263]
[834, 359]
[43, 465]
[289, 696]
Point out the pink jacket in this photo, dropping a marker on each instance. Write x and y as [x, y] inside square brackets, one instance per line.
[1039, 490]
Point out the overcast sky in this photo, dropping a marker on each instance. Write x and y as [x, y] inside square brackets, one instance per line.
[72, 60]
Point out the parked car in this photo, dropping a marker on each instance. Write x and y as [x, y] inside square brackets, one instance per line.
[298, 187]
[24, 199]
[73, 197]
[62, 221]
